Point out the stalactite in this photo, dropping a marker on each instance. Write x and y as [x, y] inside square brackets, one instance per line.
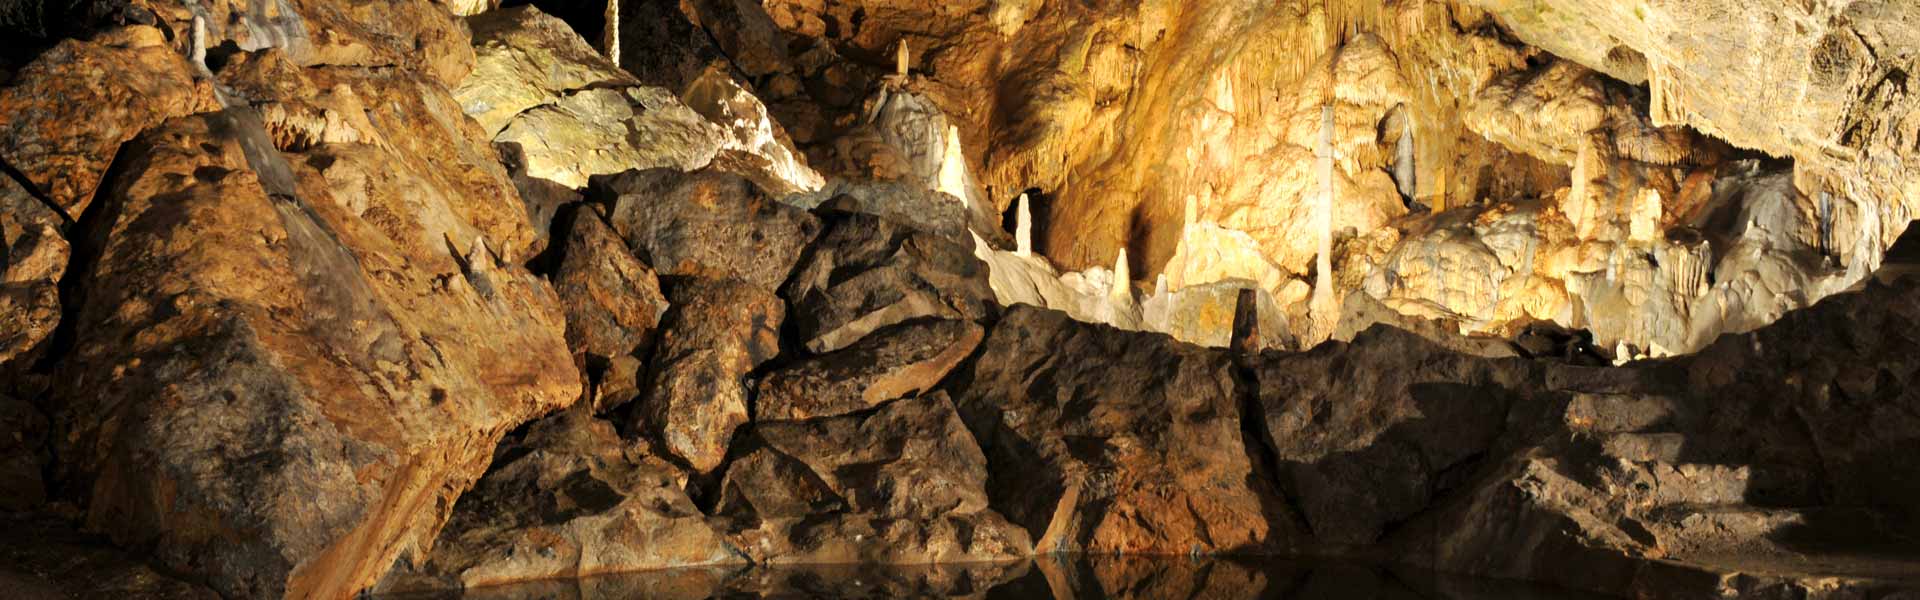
[1403, 165]
[1023, 227]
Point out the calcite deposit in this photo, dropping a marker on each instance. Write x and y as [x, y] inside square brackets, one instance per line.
[981, 298]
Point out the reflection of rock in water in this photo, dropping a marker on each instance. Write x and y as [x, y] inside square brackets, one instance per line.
[1047, 577]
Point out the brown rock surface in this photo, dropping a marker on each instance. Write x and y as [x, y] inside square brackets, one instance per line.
[613, 302]
[1139, 451]
[128, 79]
[717, 331]
[866, 272]
[569, 499]
[709, 224]
[895, 362]
[33, 257]
[303, 328]
[903, 483]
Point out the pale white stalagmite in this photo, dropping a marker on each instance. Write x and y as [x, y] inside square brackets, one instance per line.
[901, 59]
[1023, 227]
[1122, 291]
[1322, 305]
[1403, 172]
[953, 167]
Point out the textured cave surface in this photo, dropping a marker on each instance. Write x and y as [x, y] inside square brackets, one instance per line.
[981, 298]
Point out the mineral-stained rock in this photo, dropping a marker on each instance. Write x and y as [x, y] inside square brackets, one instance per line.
[127, 79]
[742, 28]
[322, 367]
[570, 499]
[608, 130]
[904, 483]
[613, 302]
[33, 256]
[890, 363]
[715, 333]
[1365, 433]
[1140, 451]
[709, 224]
[867, 272]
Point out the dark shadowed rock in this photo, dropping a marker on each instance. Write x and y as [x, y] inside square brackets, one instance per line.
[43, 557]
[904, 483]
[570, 499]
[613, 305]
[1365, 432]
[717, 331]
[1139, 451]
[708, 224]
[660, 46]
[751, 40]
[866, 272]
[891, 363]
[23, 438]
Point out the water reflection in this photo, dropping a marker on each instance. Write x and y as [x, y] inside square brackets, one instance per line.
[1077, 578]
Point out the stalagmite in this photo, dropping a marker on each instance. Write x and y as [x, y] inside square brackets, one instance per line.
[1122, 291]
[1322, 305]
[1023, 227]
[902, 59]
[1403, 166]
[610, 36]
[953, 168]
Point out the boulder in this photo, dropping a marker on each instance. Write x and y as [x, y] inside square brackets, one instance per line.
[755, 145]
[903, 483]
[1367, 433]
[659, 45]
[895, 362]
[709, 224]
[525, 58]
[324, 367]
[126, 79]
[1140, 451]
[33, 257]
[866, 272]
[717, 331]
[569, 498]
[613, 305]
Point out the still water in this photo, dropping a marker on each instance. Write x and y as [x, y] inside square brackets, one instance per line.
[1082, 578]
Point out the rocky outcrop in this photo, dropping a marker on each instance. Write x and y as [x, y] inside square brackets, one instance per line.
[710, 224]
[129, 78]
[903, 483]
[866, 272]
[569, 498]
[33, 257]
[895, 362]
[717, 332]
[613, 304]
[1140, 452]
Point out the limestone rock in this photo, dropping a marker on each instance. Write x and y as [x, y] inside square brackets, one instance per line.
[746, 33]
[418, 35]
[33, 257]
[613, 302]
[525, 59]
[1204, 315]
[128, 80]
[895, 362]
[600, 131]
[755, 145]
[569, 499]
[865, 272]
[715, 333]
[709, 224]
[1139, 452]
[901, 484]
[262, 351]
